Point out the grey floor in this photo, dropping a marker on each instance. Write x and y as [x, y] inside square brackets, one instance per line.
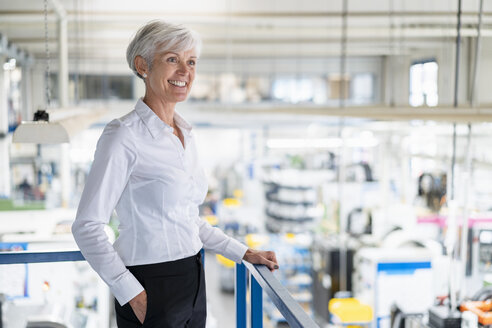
[221, 305]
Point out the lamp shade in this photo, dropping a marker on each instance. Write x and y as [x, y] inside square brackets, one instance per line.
[40, 132]
[65, 123]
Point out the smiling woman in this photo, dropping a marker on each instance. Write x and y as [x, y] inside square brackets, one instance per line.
[146, 167]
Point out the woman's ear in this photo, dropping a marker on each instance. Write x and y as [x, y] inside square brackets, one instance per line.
[141, 66]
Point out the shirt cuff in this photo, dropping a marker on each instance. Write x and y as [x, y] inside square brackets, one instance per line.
[126, 288]
[235, 250]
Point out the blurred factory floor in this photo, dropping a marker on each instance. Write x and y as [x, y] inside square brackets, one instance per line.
[221, 305]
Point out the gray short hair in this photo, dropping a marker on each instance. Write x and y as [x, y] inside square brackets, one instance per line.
[159, 36]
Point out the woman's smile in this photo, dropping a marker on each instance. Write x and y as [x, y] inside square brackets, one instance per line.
[177, 83]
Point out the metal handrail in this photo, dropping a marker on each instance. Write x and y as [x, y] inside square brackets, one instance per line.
[39, 257]
[261, 278]
[280, 296]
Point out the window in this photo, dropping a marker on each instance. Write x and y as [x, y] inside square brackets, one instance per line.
[423, 83]
[303, 89]
[95, 87]
[363, 88]
[109, 87]
[12, 85]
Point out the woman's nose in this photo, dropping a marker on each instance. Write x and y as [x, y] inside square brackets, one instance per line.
[182, 68]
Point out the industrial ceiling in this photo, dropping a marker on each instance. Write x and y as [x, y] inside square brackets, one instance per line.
[102, 29]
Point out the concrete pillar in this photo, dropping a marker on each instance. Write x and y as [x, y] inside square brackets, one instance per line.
[26, 82]
[4, 136]
[384, 186]
[65, 163]
[65, 174]
[406, 172]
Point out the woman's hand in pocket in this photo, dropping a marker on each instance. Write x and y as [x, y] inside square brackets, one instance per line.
[139, 306]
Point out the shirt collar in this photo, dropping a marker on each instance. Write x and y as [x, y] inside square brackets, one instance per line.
[155, 125]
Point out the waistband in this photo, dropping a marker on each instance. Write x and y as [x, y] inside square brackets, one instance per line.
[171, 268]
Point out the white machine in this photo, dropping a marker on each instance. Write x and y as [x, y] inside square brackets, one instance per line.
[479, 257]
[402, 276]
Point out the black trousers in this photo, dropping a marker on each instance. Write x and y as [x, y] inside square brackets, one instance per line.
[175, 295]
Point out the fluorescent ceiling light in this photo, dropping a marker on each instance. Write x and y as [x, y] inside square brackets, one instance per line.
[321, 143]
[65, 124]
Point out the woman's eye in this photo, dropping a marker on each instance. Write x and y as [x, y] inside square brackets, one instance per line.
[192, 63]
[172, 60]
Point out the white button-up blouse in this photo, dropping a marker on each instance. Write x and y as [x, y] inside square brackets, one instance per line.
[142, 170]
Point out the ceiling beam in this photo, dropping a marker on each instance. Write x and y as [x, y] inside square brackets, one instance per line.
[287, 14]
[443, 114]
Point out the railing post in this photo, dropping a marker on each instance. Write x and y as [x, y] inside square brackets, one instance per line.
[2, 299]
[256, 303]
[241, 281]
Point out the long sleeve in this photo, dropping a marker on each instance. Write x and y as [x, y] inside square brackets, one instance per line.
[216, 240]
[113, 162]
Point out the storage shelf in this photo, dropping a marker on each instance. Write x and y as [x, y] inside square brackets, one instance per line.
[285, 202]
[276, 184]
[299, 220]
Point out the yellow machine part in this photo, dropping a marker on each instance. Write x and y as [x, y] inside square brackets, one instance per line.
[255, 241]
[225, 261]
[290, 237]
[231, 202]
[212, 219]
[238, 193]
[349, 311]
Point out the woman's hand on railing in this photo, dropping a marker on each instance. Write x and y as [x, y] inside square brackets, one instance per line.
[261, 257]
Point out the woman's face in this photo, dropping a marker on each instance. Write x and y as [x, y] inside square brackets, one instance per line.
[172, 75]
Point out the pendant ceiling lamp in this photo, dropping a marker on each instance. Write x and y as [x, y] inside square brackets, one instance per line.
[64, 124]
